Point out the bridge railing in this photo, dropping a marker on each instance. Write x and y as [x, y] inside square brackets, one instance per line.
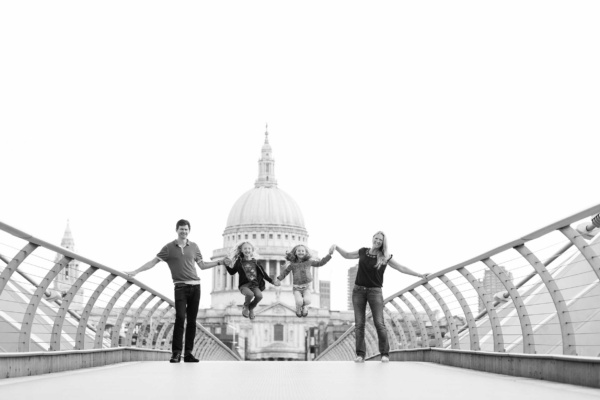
[538, 294]
[54, 300]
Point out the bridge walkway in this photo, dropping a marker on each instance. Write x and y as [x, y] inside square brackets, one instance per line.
[286, 380]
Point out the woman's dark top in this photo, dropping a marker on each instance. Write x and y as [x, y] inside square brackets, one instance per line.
[368, 275]
[260, 278]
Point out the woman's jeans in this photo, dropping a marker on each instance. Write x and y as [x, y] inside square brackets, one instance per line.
[360, 297]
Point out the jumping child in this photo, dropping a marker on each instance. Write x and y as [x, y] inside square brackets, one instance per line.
[252, 276]
[300, 263]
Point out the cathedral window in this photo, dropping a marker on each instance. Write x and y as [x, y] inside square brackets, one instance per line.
[239, 237]
[270, 236]
[286, 236]
[279, 236]
[254, 236]
[246, 236]
[293, 237]
[262, 235]
[278, 333]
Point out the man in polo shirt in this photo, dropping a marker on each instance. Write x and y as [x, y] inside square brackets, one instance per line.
[180, 255]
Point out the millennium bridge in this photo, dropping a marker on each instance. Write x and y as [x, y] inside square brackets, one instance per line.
[537, 337]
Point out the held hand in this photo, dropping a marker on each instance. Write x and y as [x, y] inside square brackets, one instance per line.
[424, 276]
[277, 282]
[130, 273]
[227, 261]
[332, 249]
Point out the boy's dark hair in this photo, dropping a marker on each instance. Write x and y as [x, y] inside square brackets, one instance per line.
[183, 222]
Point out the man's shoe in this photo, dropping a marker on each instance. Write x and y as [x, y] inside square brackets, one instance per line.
[190, 358]
[385, 359]
[175, 358]
[359, 359]
[245, 312]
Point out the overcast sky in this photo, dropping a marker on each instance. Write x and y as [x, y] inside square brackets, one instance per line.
[454, 127]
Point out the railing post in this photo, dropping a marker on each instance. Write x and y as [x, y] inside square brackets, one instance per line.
[411, 330]
[136, 316]
[102, 323]
[422, 327]
[526, 329]
[473, 335]
[562, 310]
[434, 323]
[64, 308]
[12, 266]
[87, 311]
[494, 322]
[26, 326]
[449, 319]
[116, 331]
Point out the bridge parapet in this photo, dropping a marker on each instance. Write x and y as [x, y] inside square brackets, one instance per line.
[52, 299]
[537, 294]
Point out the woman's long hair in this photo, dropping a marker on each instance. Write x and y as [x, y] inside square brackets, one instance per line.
[237, 253]
[382, 252]
[293, 257]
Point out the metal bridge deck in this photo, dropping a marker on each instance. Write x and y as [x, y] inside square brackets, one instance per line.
[286, 380]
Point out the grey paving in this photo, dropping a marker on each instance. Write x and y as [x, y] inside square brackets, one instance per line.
[285, 380]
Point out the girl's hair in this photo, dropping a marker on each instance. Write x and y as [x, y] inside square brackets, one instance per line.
[293, 257]
[238, 254]
[382, 252]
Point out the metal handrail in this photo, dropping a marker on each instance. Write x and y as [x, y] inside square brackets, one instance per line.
[510, 299]
[221, 350]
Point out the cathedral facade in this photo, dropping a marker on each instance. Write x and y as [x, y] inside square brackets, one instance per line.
[272, 221]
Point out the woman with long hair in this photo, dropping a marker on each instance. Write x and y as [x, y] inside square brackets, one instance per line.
[372, 263]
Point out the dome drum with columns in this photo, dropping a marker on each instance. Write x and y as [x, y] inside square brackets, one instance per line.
[272, 221]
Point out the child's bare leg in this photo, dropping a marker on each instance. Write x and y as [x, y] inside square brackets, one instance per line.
[306, 295]
[299, 302]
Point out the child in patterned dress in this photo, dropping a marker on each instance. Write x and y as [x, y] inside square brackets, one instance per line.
[300, 263]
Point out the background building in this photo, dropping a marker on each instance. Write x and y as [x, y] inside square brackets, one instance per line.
[272, 221]
[491, 284]
[325, 290]
[351, 279]
[68, 275]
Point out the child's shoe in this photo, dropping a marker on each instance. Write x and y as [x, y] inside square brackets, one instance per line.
[299, 311]
[251, 314]
[385, 359]
[359, 359]
[245, 312]
[304, 311]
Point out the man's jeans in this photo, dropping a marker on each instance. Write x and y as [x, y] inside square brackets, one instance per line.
[187, 301]
[360, 297]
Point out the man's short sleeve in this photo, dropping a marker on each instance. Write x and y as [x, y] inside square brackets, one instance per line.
[163, 255]
[198, 256]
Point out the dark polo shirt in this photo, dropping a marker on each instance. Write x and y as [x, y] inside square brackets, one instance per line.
[181, 260]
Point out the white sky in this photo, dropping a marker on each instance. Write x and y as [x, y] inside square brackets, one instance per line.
[452, 126]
